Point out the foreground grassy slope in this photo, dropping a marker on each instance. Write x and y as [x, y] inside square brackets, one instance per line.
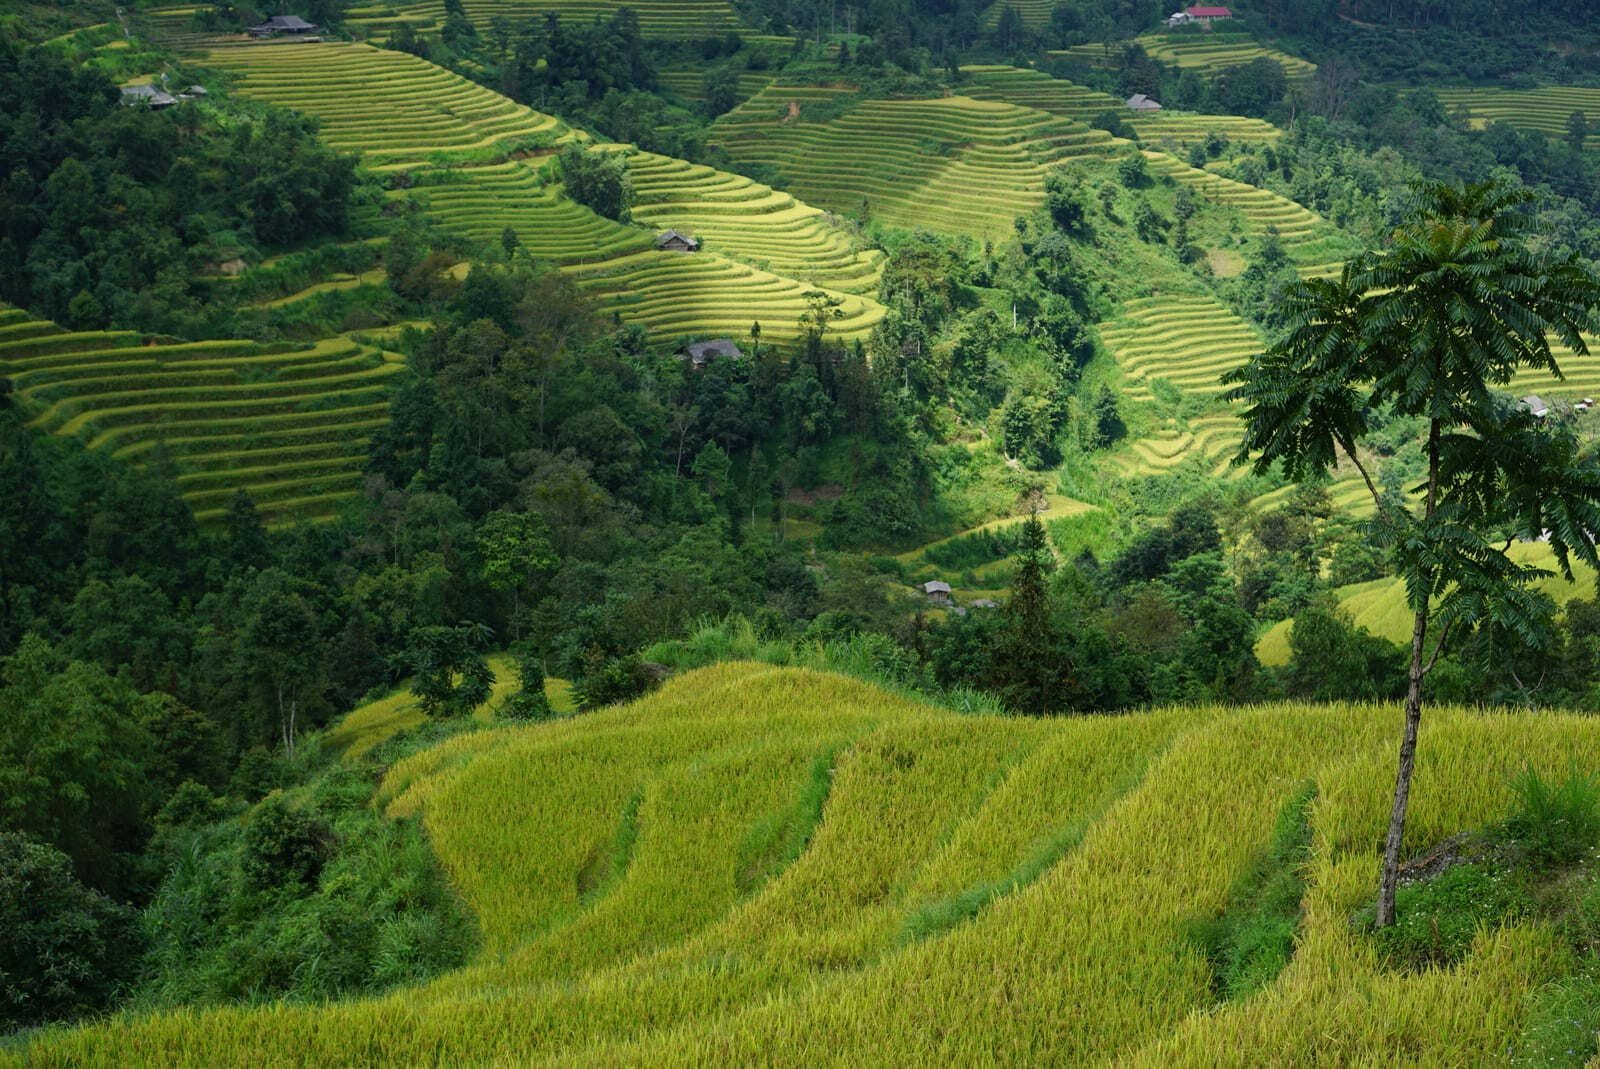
[780, 867]
[289, 425]
[480, 163]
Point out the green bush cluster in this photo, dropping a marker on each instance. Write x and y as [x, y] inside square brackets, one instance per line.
[308, 894]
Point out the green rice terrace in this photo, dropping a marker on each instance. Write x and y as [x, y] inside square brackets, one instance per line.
[1380, 606]
[951, 163]
[779, 866]
[289, 425]
[1545, 109]
[688, 82]
[480, 163]
[1208, 52]
[1036, 89]
[657, 18]
[1314, 245]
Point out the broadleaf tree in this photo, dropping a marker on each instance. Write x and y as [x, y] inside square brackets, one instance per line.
[1434, 326]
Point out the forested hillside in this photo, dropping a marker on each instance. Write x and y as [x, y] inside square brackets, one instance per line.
[409, 409]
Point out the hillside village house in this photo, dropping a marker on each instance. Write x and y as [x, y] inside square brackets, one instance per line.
[937, 591]
[150, 96]
[1198, 16]
[672, 241]
[701, 353]
[1140, 102]
[293, 25]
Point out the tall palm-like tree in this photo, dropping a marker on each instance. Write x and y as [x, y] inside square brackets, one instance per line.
[1432, 326]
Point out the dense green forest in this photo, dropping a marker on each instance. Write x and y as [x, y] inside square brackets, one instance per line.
[557, 483]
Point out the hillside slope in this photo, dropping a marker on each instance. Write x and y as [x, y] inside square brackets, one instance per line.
[777, 866]
[288, 424]
[480, 164]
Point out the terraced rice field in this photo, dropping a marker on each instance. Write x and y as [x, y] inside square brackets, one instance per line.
[1035, 14]
[756, 223]
[398, 111]
[1307, 237]
[1197, 50]
[1212, 52]
[1190, 341]
[1380, 608]
[955, 164]
[1035, 89]
[1581, 377]
[657, 18]
[689, 81]
[1545, 109]
[812, 871]
[378, 721]
[290, 426]
[764, 251]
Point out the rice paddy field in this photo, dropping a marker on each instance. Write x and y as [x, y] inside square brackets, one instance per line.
[1545, 109]
[289, 425]
[953, 163]
[1197, 50]
[689, 82]
[657, 18]
[1310, 241]
[1036, 89]
[1035, 14]
[378, 721]
[1189, 342]
[1380, 606]
[479, 163]
[777, 866]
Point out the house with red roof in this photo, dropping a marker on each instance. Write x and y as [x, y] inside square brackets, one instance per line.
[1199, 16]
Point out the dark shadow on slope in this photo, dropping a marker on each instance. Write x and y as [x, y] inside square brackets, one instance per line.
[776, 841]
[1252, 940]
[605, 867]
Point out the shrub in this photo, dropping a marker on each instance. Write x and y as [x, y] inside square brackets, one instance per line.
[530, 702]
[597, 181]
[66, 947]
[1555, 823]
[618, 679]
[283, 845]
[1437, 920]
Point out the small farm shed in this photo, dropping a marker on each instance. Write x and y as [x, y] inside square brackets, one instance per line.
[701, 353]
[291, 24]
[672, 241]
[1140, 102]
[152, 96]
[1534, 405]
[937, 591]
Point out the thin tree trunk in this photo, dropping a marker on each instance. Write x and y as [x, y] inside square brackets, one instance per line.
[1402, 783]
[1390, 879]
